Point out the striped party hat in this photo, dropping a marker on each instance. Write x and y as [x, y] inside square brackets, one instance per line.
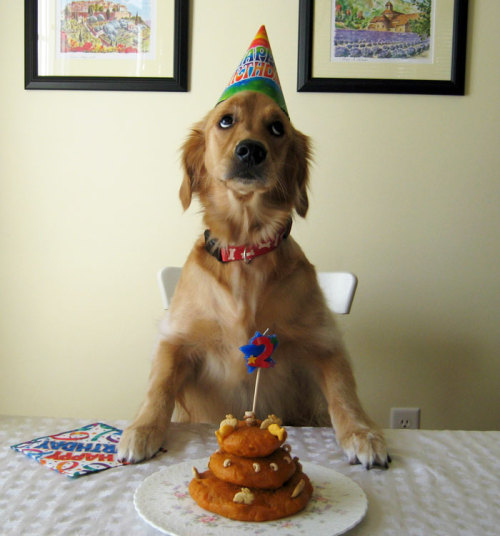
[257, 72]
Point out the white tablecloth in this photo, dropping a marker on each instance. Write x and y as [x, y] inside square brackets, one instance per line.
[440, 482]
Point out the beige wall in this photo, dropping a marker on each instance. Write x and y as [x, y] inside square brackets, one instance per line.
[405, 193]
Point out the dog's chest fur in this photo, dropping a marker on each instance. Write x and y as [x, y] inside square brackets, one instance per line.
[222, 383]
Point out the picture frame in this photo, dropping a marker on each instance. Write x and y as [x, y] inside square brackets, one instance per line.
[440, 70]
[114, 50]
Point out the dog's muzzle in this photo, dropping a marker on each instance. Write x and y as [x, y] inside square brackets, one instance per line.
[248, 162]
[250, 153]
[249, 158]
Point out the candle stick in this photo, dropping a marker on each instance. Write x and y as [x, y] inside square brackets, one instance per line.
[256, 391]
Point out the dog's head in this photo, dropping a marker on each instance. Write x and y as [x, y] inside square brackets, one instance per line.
[246, 160]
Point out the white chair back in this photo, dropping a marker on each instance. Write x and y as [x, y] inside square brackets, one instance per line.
[338, 287]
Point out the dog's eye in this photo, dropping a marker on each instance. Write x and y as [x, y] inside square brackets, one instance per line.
[226, 122]
[276, 128]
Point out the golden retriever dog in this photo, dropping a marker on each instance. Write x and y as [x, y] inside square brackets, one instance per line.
[249, 167]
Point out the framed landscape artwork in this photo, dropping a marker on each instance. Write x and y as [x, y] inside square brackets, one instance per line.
[382, 46]
[126, 45]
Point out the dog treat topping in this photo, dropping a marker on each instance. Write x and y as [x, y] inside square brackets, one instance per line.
[271, 419]
[277, 431]
[250, 418]
[298, 464]
[227, 426]
[273, 466]
[298, 488]
[287, 459]
[256, 467]
[245, 496]
[227, 462]
[287, 447]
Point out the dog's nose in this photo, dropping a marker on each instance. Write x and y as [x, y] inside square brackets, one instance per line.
[251, 152]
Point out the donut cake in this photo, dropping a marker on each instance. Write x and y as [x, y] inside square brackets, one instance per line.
[252, 477]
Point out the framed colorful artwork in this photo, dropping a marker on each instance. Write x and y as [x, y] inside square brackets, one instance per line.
[122, 45]
[382, 46]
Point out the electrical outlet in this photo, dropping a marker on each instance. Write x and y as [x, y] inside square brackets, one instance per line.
[405, 418]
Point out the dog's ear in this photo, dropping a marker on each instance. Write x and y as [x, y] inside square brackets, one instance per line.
[300, 156]
[193, 162]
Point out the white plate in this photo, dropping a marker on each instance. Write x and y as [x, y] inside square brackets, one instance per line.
[163, 500]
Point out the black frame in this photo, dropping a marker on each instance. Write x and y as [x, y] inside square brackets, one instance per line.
[178, 82]
[454, 86]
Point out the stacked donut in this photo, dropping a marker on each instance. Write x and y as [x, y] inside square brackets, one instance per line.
[252, 477]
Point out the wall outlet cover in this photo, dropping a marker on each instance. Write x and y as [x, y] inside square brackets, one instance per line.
[405, 418]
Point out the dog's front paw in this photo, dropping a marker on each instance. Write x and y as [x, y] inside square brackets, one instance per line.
[140, 442]
[367, 447]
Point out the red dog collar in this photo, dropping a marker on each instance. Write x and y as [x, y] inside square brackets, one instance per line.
[247, 252]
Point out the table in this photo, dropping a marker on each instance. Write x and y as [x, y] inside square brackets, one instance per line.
[440, 482]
